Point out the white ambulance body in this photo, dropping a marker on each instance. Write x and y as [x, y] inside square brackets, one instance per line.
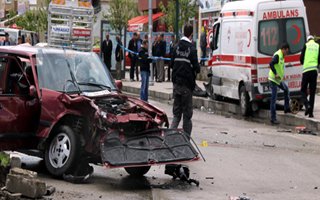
[246, 36]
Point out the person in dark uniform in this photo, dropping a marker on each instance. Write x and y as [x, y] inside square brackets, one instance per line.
[185, 68]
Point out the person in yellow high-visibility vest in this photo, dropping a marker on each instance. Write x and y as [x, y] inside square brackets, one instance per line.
[276, 77]
[310, 59]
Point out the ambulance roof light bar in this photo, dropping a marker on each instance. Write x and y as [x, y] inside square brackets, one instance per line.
[237, 13]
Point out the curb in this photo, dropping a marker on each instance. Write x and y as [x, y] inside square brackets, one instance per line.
[231, 109]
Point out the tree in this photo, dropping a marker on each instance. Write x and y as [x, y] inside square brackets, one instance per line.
[35, 20]
[186, 12]
[120, 12]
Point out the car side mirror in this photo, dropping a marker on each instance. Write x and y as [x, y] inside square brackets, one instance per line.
[119, 84]
[32, 91]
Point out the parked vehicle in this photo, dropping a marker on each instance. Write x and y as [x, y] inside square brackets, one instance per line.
[65, 104]
[14, 34]
[246, 36]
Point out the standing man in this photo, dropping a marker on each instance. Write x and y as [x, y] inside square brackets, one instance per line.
[185, 69]
[310, 59]
[6, 41]
[133, 57]
[144, 70]
[119, 56]
[276, 76]
[139, 46]
[203, 45]
[107, 51]
[160, 52]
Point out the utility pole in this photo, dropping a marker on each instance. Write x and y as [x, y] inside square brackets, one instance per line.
[177, 19]
[150, 42]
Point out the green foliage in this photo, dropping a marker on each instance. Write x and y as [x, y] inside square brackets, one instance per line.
[120, 12]
[4, 159]
[35, 20]
[186, 12]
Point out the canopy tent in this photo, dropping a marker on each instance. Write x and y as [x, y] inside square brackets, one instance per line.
[136, 23]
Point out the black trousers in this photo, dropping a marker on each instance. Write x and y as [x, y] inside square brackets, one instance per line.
[132, 68]
[182, 107]
[309, 81]
[107, 61]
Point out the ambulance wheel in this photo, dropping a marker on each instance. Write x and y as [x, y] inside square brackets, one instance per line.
[137, 171]
[245, 105]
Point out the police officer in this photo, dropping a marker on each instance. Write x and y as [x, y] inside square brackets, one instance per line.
[310, 58]
[185, 68]
[276, 76]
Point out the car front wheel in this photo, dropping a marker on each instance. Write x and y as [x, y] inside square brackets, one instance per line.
[62, 151]
[137, 171]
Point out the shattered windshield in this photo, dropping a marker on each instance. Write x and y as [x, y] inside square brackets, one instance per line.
[89, 72]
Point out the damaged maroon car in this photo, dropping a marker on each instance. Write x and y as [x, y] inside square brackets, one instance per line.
[66, 105]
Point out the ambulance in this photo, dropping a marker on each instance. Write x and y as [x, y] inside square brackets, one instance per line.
[245, 37]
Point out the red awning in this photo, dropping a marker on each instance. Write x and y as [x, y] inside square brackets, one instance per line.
[136, 23]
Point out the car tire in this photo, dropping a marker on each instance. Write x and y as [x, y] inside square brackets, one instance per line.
[62, 151]
[245, 105]
[137, 171]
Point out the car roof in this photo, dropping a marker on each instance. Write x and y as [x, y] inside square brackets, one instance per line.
[31, 50]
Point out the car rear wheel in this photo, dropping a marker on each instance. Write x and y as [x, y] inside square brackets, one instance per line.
[137, 171]
[245, 104]
[62, 151]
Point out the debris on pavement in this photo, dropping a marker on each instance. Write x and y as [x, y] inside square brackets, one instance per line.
[269, 145]
[26, 183]
[253, 131]
[81, 174]
[239, 198]
[180, 171]
[210, 177]
[284, 131]
[306, 131]
[204, 143]
[224, 132]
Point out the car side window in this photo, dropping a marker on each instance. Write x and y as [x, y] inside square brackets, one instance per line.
[3, 64]
[15, 78]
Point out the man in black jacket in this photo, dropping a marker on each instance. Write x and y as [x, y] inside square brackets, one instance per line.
[160, 52]
[107, 51]
[185, 69]
[144, 70]
[119, 56]
[133, 57]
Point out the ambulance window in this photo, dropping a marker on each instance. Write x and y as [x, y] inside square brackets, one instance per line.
[295, 34]
[268, 37]
[214, 41]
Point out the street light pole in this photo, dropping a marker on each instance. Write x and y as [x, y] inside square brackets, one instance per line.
[177, 19]
[150, 42]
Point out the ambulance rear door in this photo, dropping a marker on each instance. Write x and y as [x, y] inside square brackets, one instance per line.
[278, 22]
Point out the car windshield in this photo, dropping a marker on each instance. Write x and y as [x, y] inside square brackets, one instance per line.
[90, 74]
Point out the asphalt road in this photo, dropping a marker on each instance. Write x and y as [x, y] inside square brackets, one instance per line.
[243, 158]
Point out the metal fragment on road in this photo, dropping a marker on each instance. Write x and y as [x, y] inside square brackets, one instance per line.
[269, 145]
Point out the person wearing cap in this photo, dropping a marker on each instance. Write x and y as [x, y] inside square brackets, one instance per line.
[6, 41]
[310, 59]
[276, 79]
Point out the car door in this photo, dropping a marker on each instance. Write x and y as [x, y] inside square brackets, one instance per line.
[19, 112]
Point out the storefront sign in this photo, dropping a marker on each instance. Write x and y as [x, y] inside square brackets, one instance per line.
[60, 29]
[81, 32]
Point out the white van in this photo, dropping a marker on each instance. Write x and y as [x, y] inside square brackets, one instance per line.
[14, 34]
[246, 36]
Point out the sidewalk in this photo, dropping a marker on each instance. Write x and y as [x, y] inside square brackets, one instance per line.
[163, 92]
